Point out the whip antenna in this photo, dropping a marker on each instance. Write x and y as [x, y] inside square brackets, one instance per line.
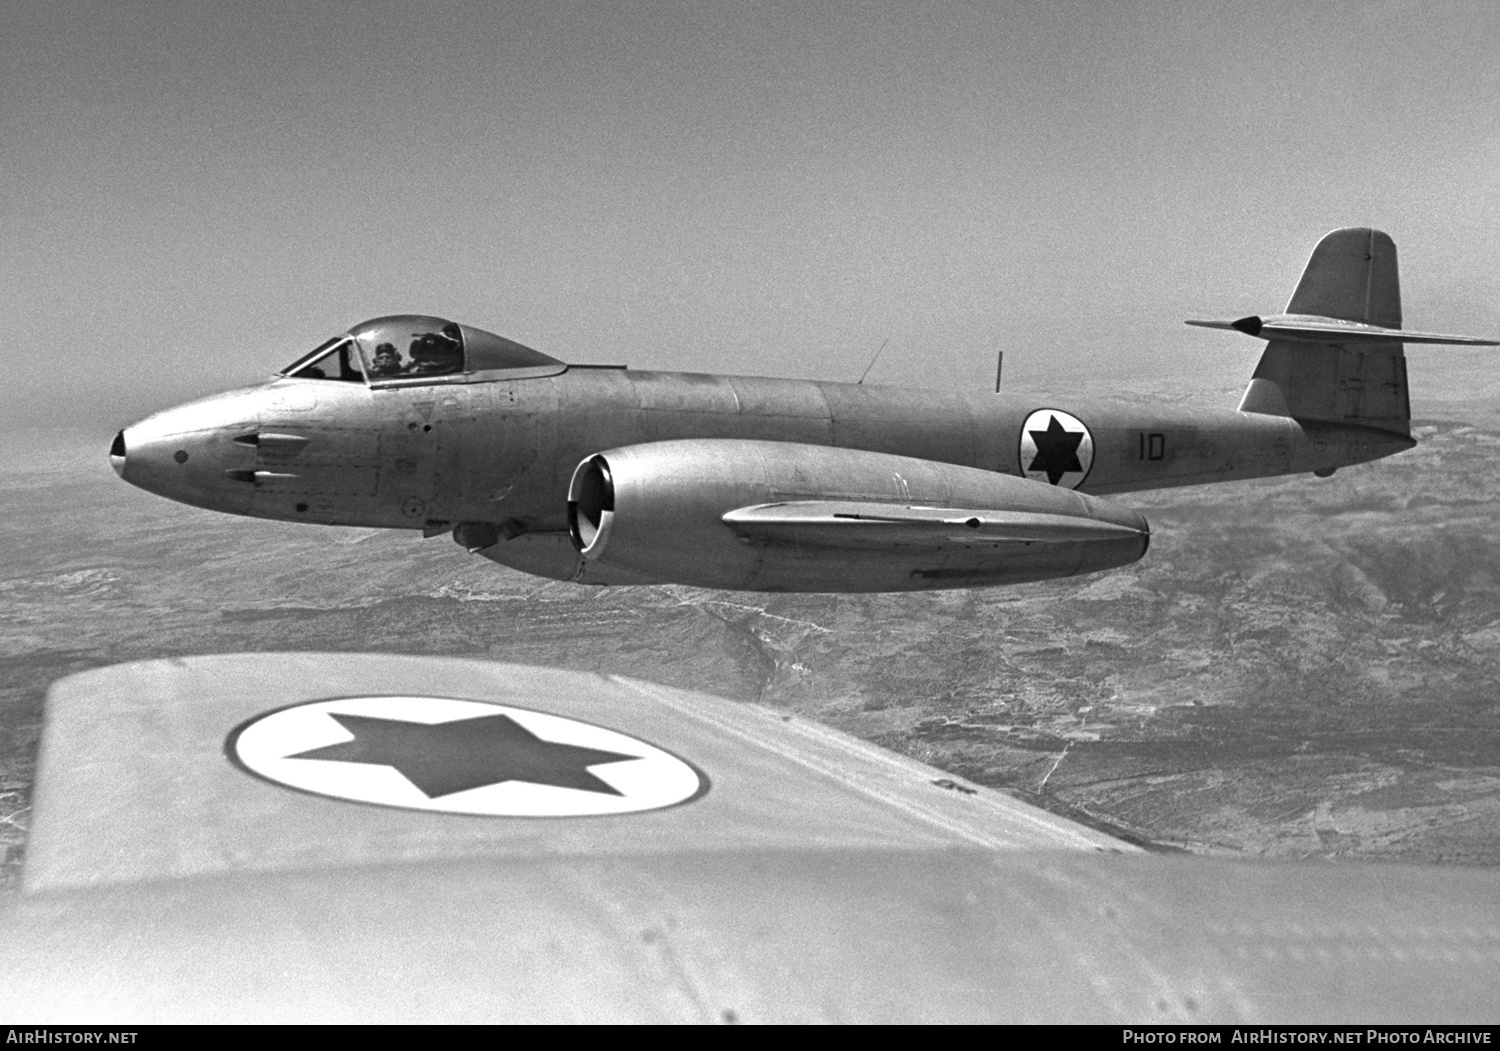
[873, 360]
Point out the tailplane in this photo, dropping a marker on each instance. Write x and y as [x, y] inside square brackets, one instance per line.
[1336, 354]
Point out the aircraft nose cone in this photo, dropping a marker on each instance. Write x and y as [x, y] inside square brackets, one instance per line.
[161, 455]
[189, 453]
[117, 454]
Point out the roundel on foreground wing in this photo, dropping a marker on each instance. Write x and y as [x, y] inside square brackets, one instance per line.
[461, 757]
[1056, 448]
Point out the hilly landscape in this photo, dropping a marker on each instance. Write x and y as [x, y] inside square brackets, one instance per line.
[1299, 667]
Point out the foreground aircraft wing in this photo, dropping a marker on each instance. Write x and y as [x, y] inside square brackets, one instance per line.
[282, 837]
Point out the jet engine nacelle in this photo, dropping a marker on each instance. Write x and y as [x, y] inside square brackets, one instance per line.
[779, 516]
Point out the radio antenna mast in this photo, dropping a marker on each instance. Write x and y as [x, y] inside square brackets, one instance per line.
[873, 360]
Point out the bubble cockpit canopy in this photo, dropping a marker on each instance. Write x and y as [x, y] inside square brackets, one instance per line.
[411, 348]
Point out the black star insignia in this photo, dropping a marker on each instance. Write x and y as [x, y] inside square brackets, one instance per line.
[1056, 450]
[467, 753]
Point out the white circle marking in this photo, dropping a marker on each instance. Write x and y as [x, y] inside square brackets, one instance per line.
[1048, 468]
[648, 778]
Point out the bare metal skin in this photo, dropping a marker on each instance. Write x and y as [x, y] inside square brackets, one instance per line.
[489, 449]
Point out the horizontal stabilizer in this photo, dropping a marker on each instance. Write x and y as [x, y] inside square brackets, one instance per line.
[1306, 328]
[860, 523]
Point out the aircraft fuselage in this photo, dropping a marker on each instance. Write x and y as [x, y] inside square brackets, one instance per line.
[502, 451]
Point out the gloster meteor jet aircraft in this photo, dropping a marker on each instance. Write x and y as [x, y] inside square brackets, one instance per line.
[609, 476]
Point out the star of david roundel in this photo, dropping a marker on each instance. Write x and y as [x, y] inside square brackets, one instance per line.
[1056, 448]
[462, 757]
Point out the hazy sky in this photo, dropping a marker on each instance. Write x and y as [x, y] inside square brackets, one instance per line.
[194, 194]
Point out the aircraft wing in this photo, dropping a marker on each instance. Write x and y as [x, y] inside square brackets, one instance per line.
[293, 837]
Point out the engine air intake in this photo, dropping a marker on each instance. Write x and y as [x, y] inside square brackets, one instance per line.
[591, 503]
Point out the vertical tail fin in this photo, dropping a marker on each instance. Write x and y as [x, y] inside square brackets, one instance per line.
[1351, 276]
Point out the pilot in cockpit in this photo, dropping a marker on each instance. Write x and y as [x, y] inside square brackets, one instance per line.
[435, 353]
[387, 361]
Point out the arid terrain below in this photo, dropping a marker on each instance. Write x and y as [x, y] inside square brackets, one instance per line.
[1298, 667]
